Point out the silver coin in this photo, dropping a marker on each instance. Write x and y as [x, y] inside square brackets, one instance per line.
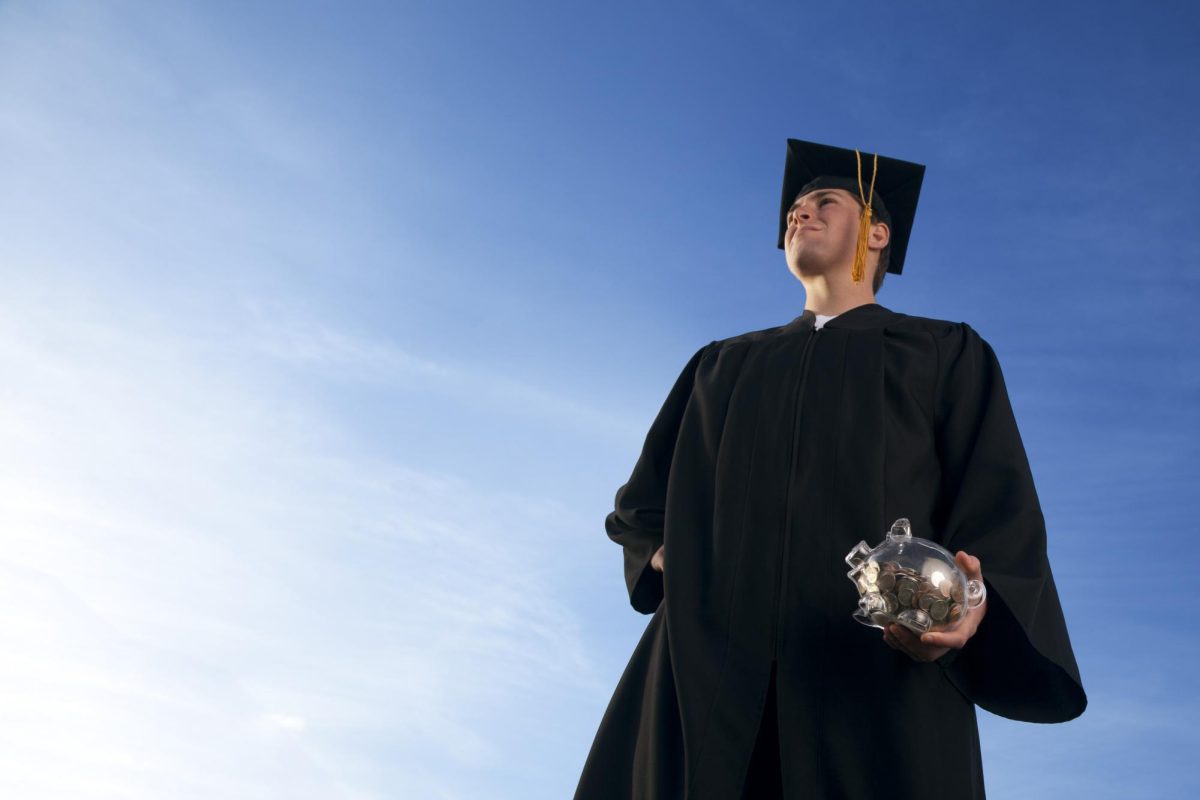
[939, 610]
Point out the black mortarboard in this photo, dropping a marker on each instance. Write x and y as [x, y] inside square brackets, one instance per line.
[897, 184]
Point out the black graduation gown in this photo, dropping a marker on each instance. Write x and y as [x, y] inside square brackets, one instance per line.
[775, 452]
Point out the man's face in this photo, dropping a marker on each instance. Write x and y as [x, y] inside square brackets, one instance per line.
[822, 232]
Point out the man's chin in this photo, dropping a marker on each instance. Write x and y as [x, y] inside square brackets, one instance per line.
[803, 267]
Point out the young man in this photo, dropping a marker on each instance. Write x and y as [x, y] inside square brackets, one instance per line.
[775, 452]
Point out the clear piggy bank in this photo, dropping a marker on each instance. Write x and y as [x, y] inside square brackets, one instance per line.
[912, 581]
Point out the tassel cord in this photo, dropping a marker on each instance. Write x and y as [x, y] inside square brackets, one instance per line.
[864, 220]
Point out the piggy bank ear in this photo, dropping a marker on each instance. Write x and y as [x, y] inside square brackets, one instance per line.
[901, 529]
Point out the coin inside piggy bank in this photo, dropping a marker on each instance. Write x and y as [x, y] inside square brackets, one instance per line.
[911, 581]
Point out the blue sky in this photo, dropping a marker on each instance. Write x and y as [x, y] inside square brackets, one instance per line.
[330, 330]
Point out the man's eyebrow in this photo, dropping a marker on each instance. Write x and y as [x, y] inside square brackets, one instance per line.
[813, 193]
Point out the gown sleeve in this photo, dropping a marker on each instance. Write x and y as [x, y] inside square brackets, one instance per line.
[636, 523]
[1019, 664]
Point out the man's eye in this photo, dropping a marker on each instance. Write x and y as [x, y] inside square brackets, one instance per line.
[825, 200]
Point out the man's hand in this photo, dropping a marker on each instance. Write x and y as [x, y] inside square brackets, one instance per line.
[932, 646]
[656, 560]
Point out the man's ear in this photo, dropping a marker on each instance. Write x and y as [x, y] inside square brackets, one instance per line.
[879, 235]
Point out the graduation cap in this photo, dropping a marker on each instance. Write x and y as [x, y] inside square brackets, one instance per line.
[892, 187]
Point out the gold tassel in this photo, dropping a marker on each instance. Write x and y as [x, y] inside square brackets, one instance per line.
[864, 220]
[860, 252]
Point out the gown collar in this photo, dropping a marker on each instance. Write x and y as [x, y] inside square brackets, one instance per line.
[868, 315]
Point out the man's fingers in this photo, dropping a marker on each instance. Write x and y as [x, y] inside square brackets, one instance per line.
[902, 639]
[657, 560]
[943, 640]
[917, 647]
[969, 564]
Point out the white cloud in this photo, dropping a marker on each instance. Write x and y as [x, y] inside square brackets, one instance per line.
[209, 587]
[230, 558]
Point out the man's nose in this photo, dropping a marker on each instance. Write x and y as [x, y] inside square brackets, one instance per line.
[800, 215]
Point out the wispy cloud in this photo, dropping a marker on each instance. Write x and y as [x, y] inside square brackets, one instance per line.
[209, 588]
[321, 348]
[226, 536]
